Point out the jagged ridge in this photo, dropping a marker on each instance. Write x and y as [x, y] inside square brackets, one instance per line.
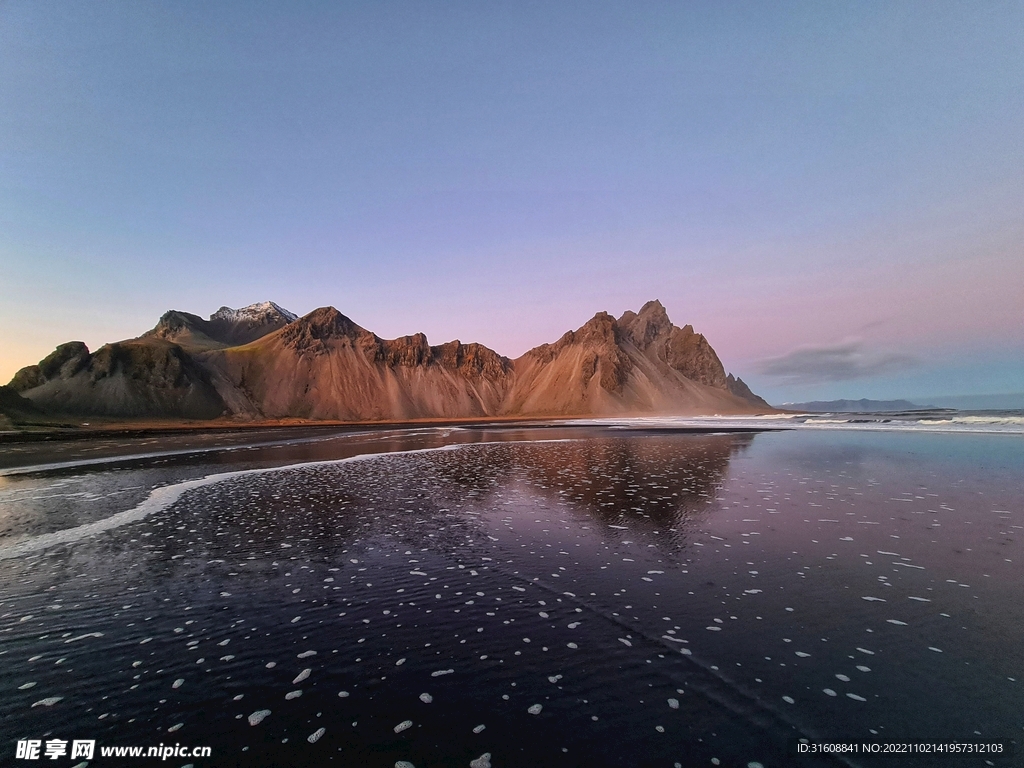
[257, 363]
[638, 363]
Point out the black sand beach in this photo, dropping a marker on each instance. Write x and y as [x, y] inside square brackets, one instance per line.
[510, 596]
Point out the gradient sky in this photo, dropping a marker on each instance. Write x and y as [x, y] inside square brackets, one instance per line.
[833, 193]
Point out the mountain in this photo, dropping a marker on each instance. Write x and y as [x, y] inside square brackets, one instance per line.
[1011, 401]
[15, 409]
[263, 362]
[226, 327]
[640, 363]
[855, 406]
[324, 366]
[139, 378]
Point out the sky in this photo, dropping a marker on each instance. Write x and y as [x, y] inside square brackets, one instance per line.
[832, 193]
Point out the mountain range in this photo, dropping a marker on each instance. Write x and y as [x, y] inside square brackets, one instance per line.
[263, 362]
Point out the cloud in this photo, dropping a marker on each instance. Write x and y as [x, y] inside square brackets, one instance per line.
[835, 362]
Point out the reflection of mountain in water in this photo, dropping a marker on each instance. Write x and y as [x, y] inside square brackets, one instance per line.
[433, 499]
[652, 483]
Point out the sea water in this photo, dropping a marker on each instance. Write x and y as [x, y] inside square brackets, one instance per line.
[562, 596]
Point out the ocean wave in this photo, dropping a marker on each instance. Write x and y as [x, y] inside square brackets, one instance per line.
[996, 423]
[989, 420]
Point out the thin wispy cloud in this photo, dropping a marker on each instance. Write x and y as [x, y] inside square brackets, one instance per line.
[834, 362]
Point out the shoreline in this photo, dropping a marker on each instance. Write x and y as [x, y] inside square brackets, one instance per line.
[159, 427]
[44, 450]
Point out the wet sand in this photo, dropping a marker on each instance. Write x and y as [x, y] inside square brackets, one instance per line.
[589, 597]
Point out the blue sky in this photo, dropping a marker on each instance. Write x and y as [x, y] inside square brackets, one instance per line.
[832, 193]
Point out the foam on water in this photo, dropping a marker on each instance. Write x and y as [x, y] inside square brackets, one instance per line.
[496, 552]
[997, 422]
[163, 497]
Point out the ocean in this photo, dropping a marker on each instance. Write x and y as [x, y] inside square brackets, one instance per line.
[663, 592]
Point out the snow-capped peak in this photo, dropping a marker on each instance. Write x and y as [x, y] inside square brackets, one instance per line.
[254, 313]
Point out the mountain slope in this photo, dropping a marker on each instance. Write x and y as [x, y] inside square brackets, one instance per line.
[261, 362]
[324, 366]
[127, 379]
[15, 409]
[226, 327]
[640, 363]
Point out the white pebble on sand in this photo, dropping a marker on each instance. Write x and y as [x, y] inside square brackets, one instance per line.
[535, 709]
[426, 698]
[301, 676]
[484, 761]
[404, 725]
[314, 737]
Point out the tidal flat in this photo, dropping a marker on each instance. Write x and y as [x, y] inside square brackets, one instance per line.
[592, 595]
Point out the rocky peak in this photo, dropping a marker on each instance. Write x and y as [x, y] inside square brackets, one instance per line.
[64, 362]
[471, 359]
[175, 321]
[646, 326]
[226, 326]
[601, 329]
[652, 332]
[408, 350]
[602, 354]
[739, 388]
[310, 332]
[263, 312]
